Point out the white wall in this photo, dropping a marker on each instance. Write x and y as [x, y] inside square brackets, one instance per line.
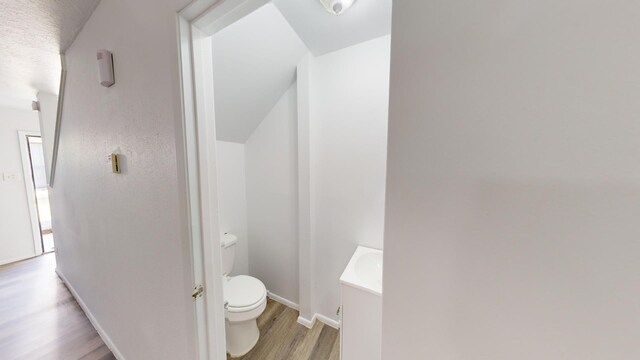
[16, 237]
[305, 246]
[513, 181]
[232, 200]
[254, 62]
[272, 202]
[48, 115]
[348, 137]
[122, 240]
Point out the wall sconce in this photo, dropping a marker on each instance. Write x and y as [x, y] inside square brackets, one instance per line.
[105, 65]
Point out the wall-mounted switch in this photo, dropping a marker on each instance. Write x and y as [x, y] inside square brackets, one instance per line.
[115, 163]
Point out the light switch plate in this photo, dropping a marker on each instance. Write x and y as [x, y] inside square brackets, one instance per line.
[9, 177]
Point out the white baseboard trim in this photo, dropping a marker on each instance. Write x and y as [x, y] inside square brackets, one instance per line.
[318, 317]
[105, 338]
[306, 322]
[328, 321]
[15, 260]
[302, 321]
[283, 301]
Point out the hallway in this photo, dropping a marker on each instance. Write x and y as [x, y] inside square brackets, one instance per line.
[39, 319]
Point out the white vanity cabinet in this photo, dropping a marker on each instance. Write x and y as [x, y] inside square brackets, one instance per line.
[361, 315]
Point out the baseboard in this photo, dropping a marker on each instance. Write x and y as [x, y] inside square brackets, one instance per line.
[306, 322]
[328, 321]
[15, 260]
[302, 321]
[105, 338]
[283, 301]
[318, 317]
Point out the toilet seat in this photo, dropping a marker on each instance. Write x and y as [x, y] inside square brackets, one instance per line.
[243, 293]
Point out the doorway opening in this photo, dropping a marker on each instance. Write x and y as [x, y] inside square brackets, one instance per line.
[36, 180]
[346, 78]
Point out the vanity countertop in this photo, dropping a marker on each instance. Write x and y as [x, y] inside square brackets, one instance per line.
[364, 270]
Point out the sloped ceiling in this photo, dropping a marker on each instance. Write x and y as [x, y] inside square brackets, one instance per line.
[323, 32]
[255, 59]
[254, 63]
[32, 35]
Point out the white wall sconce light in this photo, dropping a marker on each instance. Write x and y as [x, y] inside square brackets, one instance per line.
[337, 7]
[105, 65]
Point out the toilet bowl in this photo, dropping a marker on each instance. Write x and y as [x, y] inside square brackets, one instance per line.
[245, 298]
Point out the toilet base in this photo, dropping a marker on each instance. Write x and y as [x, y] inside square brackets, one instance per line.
[242, 336]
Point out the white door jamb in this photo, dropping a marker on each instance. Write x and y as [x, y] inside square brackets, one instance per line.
[29, 187]
[196, 24]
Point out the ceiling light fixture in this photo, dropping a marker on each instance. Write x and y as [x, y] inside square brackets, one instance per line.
[337, 7]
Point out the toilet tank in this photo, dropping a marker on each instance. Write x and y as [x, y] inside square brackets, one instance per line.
[228, 250]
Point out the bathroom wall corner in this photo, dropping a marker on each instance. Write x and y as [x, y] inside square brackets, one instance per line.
[304, 193]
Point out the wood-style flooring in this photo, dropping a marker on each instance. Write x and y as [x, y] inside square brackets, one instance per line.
[39, 319]
[282, 338]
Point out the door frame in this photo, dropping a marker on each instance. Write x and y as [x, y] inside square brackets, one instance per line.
[27, 174]
[196, 23]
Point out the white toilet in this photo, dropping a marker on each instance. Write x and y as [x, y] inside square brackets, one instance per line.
[245, 299]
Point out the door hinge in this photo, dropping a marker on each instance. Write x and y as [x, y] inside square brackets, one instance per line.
[198, 291]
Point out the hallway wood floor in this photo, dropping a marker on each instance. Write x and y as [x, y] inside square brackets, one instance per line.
[39, 319]
[282, 338]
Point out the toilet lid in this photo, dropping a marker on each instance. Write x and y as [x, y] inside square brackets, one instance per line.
[243, 291]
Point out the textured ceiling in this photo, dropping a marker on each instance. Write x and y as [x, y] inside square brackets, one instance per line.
[32, 35]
